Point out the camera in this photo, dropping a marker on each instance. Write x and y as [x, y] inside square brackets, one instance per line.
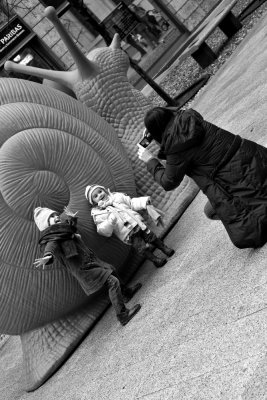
[147, 139]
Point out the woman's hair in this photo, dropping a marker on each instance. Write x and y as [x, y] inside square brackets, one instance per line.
[156, 121]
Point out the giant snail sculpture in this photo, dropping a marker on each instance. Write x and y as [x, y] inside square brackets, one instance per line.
[52, 146]
[100, 82]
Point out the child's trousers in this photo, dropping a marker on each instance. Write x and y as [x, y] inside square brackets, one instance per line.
[139, 240]
[115, 295]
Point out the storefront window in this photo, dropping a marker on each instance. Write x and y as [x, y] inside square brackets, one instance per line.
[82, 35]
[28, 56]
[79, 33]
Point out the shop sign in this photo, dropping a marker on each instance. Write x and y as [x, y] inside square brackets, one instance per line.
[13, 33]
[122, 21]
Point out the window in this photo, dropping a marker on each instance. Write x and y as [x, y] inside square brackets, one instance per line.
[79, 33]
[83, 35]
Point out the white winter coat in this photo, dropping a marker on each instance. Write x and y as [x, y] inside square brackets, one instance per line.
[124, 208]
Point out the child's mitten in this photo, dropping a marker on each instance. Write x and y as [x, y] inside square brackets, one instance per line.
[155, 214]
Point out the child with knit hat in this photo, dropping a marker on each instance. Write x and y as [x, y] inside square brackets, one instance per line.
[60, 240]
[115, 212]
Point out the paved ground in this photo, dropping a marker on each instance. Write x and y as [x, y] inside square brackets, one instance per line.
[201, 333]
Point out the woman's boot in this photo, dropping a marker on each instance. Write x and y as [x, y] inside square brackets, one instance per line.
[165, 249]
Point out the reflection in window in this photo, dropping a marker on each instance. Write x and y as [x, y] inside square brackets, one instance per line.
[23, 60]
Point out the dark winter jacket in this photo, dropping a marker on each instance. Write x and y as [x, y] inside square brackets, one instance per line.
[61, 242]
[231, 171]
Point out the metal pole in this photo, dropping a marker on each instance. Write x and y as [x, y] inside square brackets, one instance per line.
[169, 100]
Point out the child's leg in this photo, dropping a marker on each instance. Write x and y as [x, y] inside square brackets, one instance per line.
[157, 261]
[123, 313]
[127, 291]
[140, 243]
[162, 246]
[115, 295]
[150, 237]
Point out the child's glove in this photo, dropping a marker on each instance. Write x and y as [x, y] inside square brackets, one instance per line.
[112, 219]
[155, 214]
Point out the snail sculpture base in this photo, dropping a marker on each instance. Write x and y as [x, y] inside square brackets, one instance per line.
[47, 348]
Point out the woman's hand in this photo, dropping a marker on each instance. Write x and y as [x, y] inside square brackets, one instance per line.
[40, 262]
[144, 154]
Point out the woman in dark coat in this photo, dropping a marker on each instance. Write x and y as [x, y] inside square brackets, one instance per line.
[230, 170]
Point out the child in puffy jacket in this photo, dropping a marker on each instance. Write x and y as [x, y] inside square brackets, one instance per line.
[116, 213]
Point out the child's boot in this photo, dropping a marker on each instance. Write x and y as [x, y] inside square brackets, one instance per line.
[129, 291]
[157, 261]
[162, 246]
[127, 314]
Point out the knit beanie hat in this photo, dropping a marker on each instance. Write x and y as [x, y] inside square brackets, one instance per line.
[89, 190]
[41, 217]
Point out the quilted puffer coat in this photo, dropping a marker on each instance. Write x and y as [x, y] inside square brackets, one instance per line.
[230, 170]
[125, 209]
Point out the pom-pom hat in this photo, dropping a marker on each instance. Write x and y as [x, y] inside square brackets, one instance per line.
[41, 217]
[89, 191]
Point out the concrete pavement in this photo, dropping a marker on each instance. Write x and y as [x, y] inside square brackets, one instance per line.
[201, 333]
